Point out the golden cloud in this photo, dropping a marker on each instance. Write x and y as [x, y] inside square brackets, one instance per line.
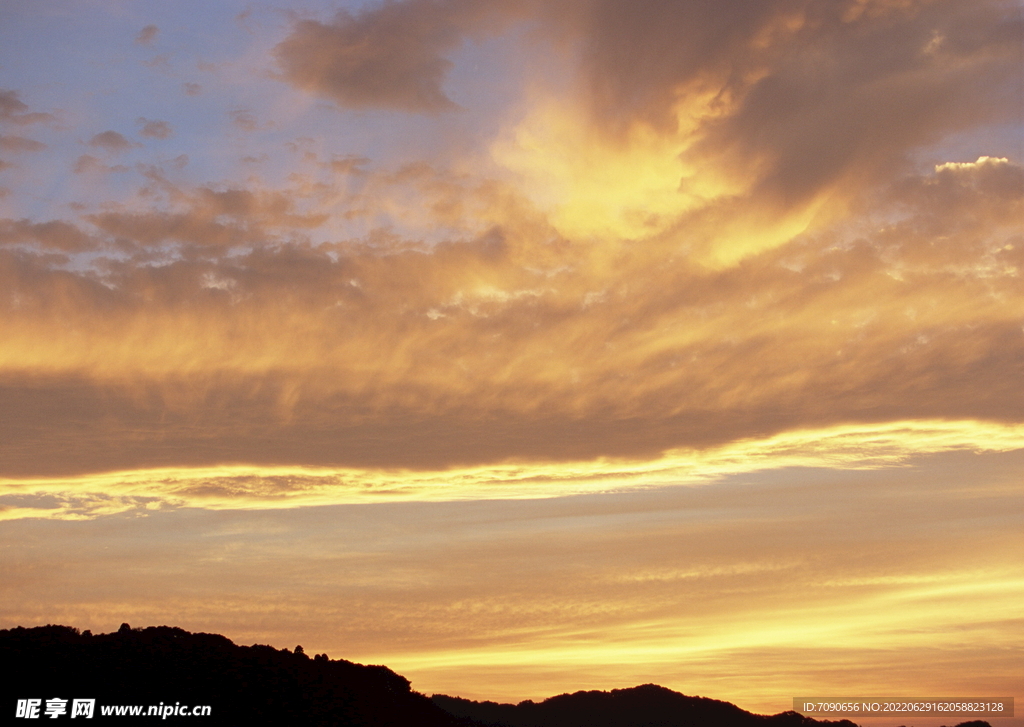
[730, 244]
[538, 344]
[244, 486]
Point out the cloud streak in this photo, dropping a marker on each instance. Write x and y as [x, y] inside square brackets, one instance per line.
[849, 447]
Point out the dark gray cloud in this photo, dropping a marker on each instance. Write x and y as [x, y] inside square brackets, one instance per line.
[155, 129]
[14, 110]
[111, 141]
[391, 56]
[88, 163]
[147, 35]
[52, 235]
[245, 120]
[637, 56]
[20, 144]
[847, 100]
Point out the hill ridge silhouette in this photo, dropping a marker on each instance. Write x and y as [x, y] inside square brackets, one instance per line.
[650, 705]
[646, 705]
[245, 684]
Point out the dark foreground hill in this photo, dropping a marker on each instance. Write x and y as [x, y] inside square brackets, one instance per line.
[648, 705]
[175, 671]
[163, 666]
[644, 706]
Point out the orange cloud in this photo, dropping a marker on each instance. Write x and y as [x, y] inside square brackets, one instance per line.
[524, 343]
[712, 258]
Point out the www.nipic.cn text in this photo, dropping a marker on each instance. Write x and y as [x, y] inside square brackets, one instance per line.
[86, 708]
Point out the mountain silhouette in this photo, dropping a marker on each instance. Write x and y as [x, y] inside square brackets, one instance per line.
[242, 684]
[165, 667]
[648, 705]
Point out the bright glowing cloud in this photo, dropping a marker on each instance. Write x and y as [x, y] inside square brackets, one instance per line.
[240, 486]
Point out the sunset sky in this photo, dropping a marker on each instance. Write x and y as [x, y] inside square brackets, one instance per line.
[524, 346]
